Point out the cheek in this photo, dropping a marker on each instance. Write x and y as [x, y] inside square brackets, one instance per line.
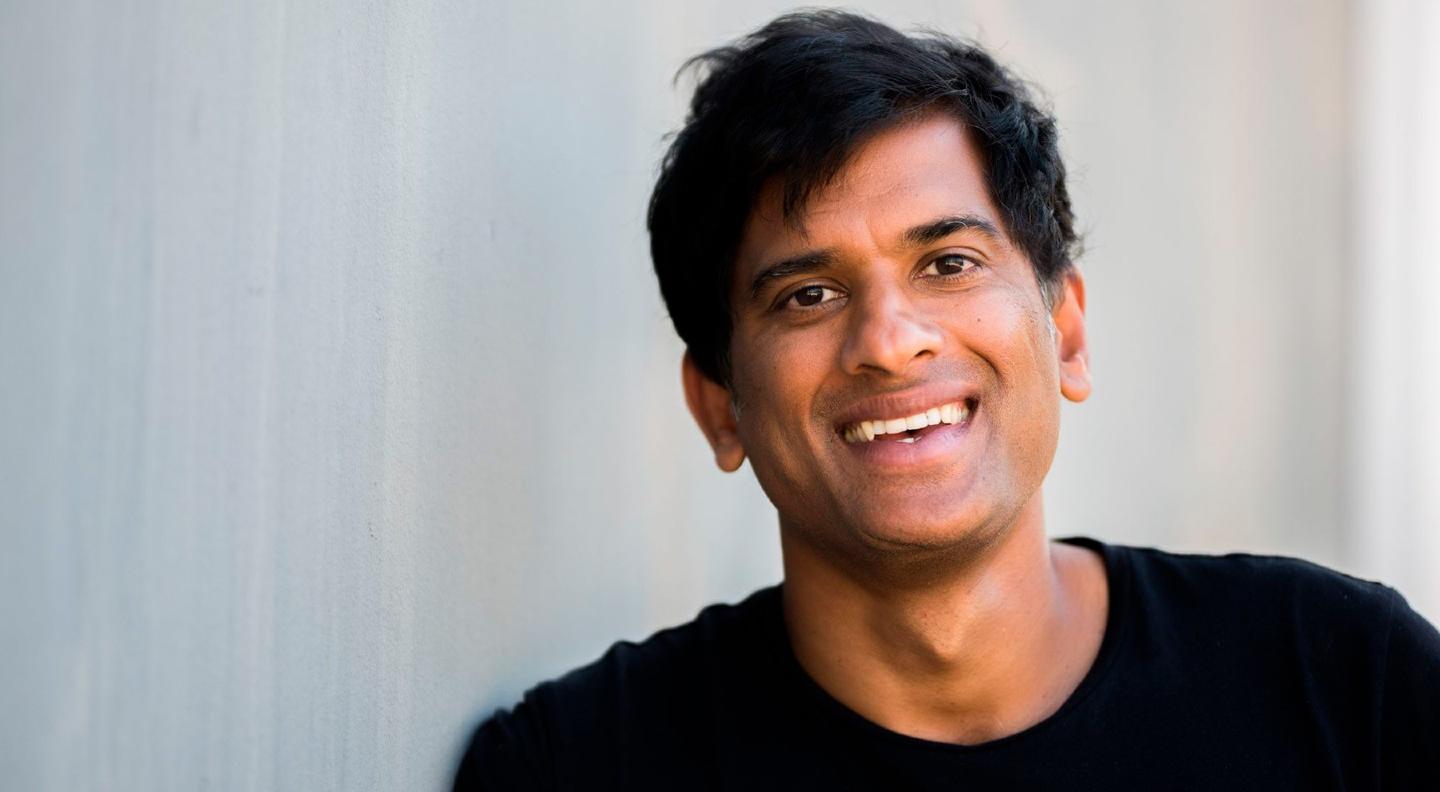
[1041, 405]
[776, 388]
[1012, 333]
[1041, 336]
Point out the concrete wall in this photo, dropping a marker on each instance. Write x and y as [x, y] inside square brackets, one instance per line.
[339, 405]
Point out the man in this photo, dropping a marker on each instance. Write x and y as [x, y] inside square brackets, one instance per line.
[865, 240]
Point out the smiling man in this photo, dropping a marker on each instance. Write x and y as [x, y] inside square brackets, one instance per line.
[865, 240]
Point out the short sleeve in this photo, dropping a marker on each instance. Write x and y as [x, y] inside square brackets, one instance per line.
[507, 753]
[1410, 739]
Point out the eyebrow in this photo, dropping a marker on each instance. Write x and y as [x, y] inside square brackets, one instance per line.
[938, 229]
[923, 234]
[798, 265]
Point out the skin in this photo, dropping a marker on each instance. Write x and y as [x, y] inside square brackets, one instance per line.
[924, 594]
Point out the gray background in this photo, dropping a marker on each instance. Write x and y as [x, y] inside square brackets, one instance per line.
[339, 406]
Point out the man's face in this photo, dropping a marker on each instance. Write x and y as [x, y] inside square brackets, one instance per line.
[897, 302]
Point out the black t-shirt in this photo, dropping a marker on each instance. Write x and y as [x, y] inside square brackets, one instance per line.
[1215, 673]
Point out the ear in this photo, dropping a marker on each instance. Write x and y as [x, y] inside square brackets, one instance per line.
[1074, 356]
[710, 405]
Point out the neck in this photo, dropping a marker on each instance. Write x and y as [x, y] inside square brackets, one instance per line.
[987, 649]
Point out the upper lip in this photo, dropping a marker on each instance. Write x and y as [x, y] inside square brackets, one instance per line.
[902, 404]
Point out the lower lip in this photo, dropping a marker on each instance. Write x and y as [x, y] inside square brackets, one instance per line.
[935, 443]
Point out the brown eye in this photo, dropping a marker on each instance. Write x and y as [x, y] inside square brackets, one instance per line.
[949, 265]
[811, 296]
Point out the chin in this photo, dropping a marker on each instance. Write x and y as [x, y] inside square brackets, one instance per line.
[919, 529]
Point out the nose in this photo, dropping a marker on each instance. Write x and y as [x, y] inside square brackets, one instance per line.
[887, 332]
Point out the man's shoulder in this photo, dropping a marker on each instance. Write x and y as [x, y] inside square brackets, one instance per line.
[1253, 584]
[1346, 657]
[1267, 617]
[637, 691]
[721, 636]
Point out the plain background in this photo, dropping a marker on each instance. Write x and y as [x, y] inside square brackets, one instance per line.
[339, 405]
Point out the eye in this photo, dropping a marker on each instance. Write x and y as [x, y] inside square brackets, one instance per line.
[950, 265]
[810, 296]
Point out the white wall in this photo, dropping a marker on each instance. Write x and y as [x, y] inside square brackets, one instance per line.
[339, 405]
[1394, 385]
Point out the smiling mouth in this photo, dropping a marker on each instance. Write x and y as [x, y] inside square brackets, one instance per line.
[911, 427]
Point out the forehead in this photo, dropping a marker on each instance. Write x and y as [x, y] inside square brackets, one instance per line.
[902, 175]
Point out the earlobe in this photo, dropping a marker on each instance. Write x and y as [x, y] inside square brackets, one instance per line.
[1071, 346]
[710, 406]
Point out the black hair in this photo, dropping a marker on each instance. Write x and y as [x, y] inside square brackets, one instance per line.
[791, 101]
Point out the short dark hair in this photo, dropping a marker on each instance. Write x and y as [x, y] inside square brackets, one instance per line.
[791, 102]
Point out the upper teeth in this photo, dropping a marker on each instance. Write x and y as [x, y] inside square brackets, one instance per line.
[865, 431]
